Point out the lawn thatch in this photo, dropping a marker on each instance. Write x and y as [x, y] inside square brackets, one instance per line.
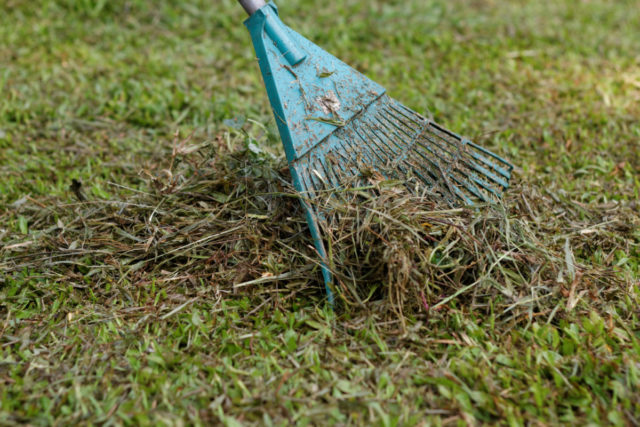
[231, 220]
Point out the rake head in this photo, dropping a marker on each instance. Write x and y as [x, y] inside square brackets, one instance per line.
[394, 142]
[337, 127]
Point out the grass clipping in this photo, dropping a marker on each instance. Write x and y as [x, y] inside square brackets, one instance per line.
[234, 224]
[410, 254]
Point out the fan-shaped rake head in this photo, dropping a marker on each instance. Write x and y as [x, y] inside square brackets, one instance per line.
[390, 141]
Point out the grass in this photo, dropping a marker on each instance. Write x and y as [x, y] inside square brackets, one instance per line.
[176, 283]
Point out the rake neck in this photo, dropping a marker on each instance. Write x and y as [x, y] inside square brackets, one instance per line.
[266, 18]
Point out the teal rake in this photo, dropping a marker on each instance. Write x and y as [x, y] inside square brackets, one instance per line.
[335, 123]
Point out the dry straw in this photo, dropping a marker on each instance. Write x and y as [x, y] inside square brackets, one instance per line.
[235, 225]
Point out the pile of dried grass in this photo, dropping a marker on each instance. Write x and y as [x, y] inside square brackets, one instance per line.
[235, 224]
[224, 222]
[522, 257]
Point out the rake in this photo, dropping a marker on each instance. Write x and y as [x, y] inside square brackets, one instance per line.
[337, 126]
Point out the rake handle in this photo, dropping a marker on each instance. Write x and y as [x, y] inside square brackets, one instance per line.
[251, 6]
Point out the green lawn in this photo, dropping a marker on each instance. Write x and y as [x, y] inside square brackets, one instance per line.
[125, 301]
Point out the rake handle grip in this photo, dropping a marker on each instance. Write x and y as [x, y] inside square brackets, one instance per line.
[251, 6]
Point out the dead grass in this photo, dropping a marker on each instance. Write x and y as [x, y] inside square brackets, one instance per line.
[232, 220]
